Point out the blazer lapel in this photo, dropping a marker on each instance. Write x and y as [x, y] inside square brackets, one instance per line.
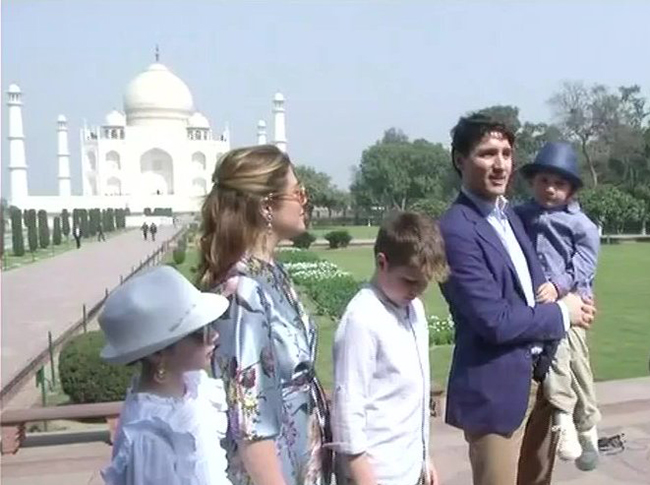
[486, 231]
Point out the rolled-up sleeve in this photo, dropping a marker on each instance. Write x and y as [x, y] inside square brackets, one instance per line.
[247, 363]
[355, 350]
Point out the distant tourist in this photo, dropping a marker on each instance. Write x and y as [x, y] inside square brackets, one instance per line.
[76, 233]
[153, 229]
[145, 230]
[174, 414]
[100, 233]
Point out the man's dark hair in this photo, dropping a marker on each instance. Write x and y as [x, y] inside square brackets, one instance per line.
[470, 130]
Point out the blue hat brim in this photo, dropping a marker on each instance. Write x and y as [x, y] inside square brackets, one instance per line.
[530, 169]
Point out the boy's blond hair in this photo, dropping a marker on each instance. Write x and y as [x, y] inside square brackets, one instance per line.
[413, 239]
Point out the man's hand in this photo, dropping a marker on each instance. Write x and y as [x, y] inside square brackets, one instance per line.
[546, 293]
[581, 311]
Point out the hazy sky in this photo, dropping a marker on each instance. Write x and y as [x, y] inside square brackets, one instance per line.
[348, 69]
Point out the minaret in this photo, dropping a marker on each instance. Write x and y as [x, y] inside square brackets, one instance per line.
[17, 163]
[280, 126]
[64, 157]
[261, 132]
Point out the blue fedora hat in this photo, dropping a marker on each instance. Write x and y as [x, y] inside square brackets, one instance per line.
[556, 157]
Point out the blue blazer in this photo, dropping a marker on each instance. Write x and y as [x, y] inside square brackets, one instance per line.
[492, 366]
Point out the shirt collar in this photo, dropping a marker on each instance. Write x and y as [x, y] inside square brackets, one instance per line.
[401, 312]
[486, 207]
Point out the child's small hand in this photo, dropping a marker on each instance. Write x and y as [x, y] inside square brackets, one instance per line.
[546, 293]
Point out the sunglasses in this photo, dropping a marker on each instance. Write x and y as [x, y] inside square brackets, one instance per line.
[299, 194]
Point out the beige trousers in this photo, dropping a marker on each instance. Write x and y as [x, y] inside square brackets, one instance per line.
[525, 457]
[569, 384]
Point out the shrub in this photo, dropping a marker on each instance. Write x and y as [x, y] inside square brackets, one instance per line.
[83, 222]
[65, 222]
[56, 233]
[17, 237]
[441, 332]
[292, 255]
[304, 240]
[331, 295]
[328, 287]
[163, 211]
[32, 234]
[3, 224]
[338, 239]
[43, 229]
[120, 218]
[180, 252]
[94, 220]
[85, 377]
[147, 211]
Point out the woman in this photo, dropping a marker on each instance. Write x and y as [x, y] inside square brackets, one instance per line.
[266, 357]
[175, 415]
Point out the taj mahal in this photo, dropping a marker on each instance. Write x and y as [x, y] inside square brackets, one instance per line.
[158, 152]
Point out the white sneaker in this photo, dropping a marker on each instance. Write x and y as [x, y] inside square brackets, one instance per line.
[568, 448]
[588, 460]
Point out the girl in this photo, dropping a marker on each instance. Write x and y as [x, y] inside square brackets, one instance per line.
[174, 415]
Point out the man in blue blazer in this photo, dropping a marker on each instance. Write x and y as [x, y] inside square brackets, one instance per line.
[503, 337]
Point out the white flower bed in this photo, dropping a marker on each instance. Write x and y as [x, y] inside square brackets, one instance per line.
[317, 270]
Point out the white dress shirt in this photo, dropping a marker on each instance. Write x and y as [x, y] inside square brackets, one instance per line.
[381, 378]
[496, 216]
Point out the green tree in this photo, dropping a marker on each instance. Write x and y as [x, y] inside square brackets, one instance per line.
[94, 219]
[43, 229]
[84, 223]
[393, 173]
[32, 231]
[506, 114]
[318, 185]
[4, 209]
[17, 238]
[585, 114]
[110, 219]
[611, 208]
[56, 232]
[65, 223]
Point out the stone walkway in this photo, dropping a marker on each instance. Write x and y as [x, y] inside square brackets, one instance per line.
[48, 295]
[625, 407]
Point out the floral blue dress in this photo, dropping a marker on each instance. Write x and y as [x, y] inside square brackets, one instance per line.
[266, 356]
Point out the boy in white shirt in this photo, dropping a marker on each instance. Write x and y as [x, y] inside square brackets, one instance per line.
[380, 414]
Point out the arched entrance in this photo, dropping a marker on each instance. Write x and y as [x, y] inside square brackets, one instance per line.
[157, 172]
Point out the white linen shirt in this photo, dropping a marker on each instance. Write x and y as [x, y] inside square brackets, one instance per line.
[381, 378]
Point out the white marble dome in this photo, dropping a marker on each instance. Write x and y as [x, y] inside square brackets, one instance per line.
[115, 118]
[198, 120]
[157, 94]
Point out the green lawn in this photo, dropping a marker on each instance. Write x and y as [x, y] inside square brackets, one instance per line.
[620, 339]
[357, 232]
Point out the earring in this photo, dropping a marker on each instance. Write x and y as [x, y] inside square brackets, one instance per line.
[161, 374]
[269, 222]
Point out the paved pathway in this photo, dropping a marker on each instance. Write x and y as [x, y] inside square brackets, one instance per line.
[49, 295]
[625, 407]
